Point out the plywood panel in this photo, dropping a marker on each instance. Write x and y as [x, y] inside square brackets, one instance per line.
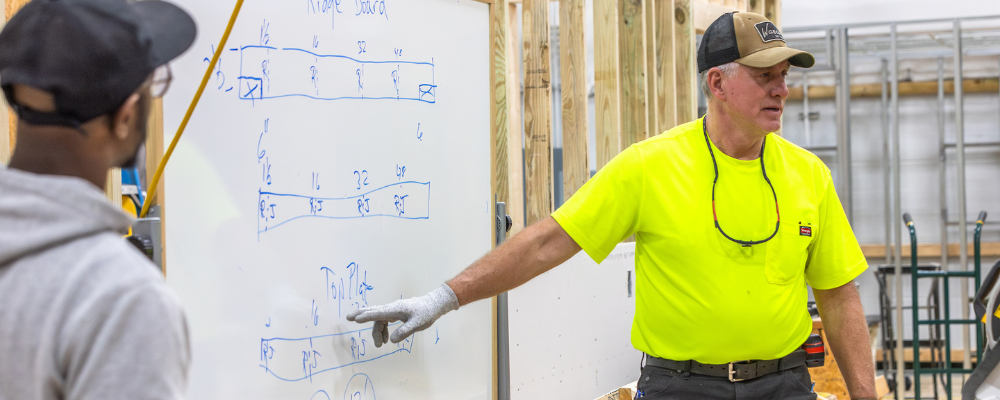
[537, 110]
[632, 51]
[606, 80]
[828, 378]
[573, 70]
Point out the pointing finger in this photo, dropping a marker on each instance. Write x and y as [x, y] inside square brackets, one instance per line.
[381, 313]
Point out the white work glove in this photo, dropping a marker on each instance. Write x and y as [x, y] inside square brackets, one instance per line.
[417, 314]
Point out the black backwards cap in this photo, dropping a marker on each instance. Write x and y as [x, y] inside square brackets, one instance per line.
[91, 55]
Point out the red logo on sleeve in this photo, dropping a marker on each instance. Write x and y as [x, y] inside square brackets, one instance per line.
[805, 230]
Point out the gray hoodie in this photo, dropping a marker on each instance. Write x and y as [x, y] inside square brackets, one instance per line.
[83, 315]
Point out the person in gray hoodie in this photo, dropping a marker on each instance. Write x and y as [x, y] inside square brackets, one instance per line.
[83, 315]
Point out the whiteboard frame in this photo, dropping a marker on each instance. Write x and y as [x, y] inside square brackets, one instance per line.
[498, 131]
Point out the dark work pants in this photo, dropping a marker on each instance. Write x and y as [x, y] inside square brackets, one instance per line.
[657, 383]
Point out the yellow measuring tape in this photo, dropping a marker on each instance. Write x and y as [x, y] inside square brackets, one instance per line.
[187, 117]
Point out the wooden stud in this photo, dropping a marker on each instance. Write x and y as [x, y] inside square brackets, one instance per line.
[666, 110]
[154, 153]
[772, 11]
[756, 6]
[705, 13]
[5, 143]
[498, 92]
[154, 148]
[686, 63]
[113, 187]
[573, 70]
[537, 110]
[990, 249]
[606, 81]
[925, 354]
[515, 142]
[974, 85]
[10, 8]
[498, 142]
[652, 102]
[632, 52]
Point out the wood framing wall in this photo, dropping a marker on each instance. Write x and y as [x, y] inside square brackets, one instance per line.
[645, 82]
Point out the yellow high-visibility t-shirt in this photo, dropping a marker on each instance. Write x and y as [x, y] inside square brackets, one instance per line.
[700, 296]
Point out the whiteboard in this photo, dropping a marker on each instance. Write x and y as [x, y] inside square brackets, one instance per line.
[570, 329]
[339, 158]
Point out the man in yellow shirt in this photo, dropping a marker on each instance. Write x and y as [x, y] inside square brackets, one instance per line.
[731, 223]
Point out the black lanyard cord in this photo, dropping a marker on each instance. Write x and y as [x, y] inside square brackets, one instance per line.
[715, 165]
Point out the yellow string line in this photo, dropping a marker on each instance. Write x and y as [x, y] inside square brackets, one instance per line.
[187, 117]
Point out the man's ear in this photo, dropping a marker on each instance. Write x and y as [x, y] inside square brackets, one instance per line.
[125, 117]
[714, 79]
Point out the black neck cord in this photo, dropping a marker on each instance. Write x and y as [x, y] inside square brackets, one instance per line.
[744, 243]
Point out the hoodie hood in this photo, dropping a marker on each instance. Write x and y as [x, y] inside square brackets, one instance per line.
[40, 211]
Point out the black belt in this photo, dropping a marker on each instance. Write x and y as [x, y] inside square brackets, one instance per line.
[735, 371]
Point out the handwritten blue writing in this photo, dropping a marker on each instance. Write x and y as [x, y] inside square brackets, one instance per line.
[386, 201]
[269, 73]
[360, 387]
[279, 356]
[363, 174]
[371, 7]
[324, 6]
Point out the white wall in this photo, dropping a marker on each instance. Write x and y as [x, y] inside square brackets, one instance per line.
[829, 12]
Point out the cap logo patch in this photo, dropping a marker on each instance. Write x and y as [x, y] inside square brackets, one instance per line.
[768, 32]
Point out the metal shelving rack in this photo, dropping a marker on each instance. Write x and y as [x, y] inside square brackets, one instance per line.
[887, 43]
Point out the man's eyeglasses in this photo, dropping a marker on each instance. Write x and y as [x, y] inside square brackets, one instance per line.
[160, 81]
[744, 243]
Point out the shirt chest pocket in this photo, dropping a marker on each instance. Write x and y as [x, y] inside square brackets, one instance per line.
[787, 253]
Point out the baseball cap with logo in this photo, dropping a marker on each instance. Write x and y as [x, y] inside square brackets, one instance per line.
[748, 39]
[91, 55]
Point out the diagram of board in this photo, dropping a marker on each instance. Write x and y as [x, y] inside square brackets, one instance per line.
[339, 158]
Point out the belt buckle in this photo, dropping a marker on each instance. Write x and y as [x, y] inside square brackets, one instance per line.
[732, 372]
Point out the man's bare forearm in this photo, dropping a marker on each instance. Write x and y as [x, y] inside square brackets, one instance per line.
[847, 331]
[539, 248]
